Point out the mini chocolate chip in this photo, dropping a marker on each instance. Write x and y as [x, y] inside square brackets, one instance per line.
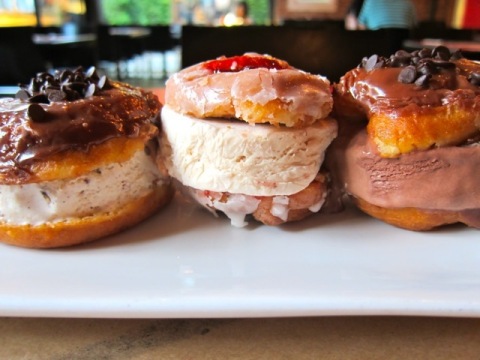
[441, 52]
[456, 55]
[34, 86]
[77, 86]
[45, 76]
[102, 82]
[66, 76]
[39, 98]
[36, 113]
[371, 62]
[22, 94]
[395, 61]
[90, 91]
[403, 53]
[49, 86]
[56, 95]
[92, 73]
[425, 67]
[402, 57]
[46, 196]
[425, 53]
[74, 85]
[78, 77]
[399, 61]
[422, 80]
[380, 63]
[474, 79]
[407, 75]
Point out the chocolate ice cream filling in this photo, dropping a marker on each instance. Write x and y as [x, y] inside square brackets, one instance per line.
[437, 179]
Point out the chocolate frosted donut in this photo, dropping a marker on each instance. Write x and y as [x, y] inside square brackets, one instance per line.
[78, 159]
[407, 152]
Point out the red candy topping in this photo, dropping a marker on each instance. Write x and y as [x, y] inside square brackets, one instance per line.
[239, 63]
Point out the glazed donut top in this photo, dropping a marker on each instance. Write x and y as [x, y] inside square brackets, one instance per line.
[252, 88]
[71, 111]
[428, 77]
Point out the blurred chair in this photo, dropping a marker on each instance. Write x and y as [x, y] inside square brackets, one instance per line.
[21, 58]
[160, 40]
[439, 30]
[118, 44]
[325, 51]
[320, 23]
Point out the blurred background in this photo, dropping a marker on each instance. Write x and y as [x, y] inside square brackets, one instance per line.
[145, 41]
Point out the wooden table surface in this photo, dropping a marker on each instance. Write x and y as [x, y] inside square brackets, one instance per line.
[270, 338]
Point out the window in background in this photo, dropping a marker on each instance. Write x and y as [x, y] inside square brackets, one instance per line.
[17, 13]
[259, 11]
[138, 12]
[179, 12]
[48, 12]
[59, 12]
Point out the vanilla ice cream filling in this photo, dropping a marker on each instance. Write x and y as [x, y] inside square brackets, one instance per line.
[235, 157]
[100, 191]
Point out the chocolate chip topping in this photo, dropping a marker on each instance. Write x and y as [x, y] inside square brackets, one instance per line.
[65, 85]
[422, 80]
[371, 62]
[22, 95]
[441, 52]
[36, 113]
[408, 74]
[419, 66]
[474, 79]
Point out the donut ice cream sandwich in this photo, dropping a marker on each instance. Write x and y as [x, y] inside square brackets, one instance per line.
[246, 136]
[408, 147]
[78, 159]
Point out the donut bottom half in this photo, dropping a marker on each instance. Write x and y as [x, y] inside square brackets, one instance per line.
[85, 229]
[419, 219]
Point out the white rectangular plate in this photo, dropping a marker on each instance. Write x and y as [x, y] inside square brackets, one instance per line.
[184, 263]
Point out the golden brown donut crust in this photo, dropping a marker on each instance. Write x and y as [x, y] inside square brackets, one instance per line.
[415, 219]
[82, 230]
[421, 128]
[75, 163]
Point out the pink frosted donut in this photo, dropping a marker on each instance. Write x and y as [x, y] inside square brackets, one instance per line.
[253, 88]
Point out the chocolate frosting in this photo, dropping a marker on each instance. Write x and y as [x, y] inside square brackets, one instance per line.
[118, 111]
[379, 90]
[412, 81]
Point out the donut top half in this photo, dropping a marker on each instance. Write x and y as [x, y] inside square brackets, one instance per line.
[425, 77]
[413, 100]
[254, 88]
[70, 111]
